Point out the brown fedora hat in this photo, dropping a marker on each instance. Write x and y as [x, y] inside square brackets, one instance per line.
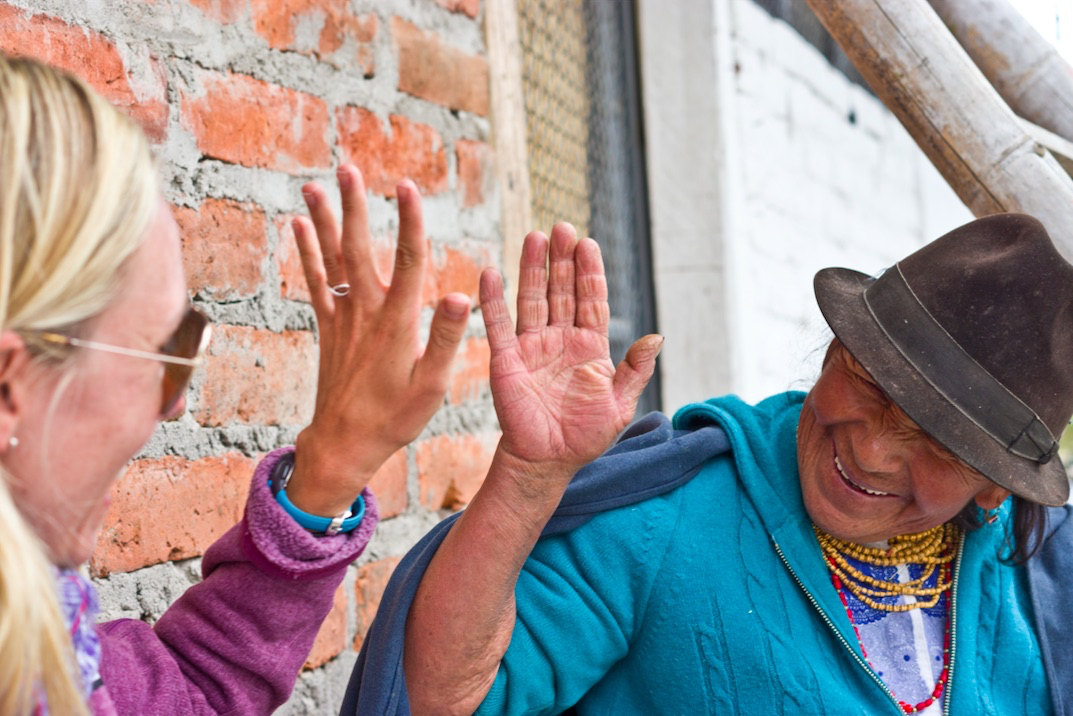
[972, 336]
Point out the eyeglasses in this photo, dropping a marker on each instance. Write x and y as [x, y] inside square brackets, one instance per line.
[183, 351]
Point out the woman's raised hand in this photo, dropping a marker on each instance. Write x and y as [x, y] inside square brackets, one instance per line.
[560, 400]
[377, 386]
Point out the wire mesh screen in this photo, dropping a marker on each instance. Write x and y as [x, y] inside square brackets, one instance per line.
[586, 153]
[552, 35]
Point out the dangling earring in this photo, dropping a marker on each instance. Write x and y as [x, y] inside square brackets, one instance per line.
[991, 516]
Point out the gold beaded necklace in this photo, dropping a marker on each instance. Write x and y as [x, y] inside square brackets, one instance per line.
[935, 548]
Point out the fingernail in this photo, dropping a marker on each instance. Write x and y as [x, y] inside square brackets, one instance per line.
[345, 180]
[455, 306]
[402, 191]
[310, 198]
[296, 226]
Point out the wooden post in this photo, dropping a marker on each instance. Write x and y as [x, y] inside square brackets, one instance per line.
[509, 134]
[973, 138]
[1026, 70]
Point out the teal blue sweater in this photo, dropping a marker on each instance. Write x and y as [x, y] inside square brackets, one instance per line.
[714, 598]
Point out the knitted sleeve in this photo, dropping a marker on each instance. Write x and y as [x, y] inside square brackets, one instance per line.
[581, 597]
[234, 643]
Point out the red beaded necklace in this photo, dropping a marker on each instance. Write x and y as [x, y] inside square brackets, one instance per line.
[944, 676]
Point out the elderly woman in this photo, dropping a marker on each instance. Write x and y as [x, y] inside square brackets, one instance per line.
[97, 345]
[855, 550]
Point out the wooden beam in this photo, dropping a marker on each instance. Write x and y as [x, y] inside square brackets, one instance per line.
[1027, 71]
[508, 135]
[1059, 147]
[973, 138]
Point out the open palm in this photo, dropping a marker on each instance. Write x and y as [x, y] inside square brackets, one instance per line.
[559, 398]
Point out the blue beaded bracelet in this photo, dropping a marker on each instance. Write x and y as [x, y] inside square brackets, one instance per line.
[346, 522]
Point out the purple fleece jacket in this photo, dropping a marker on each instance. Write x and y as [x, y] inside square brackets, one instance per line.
[234, 643]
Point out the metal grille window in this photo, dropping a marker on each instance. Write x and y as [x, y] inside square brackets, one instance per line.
[585, 148]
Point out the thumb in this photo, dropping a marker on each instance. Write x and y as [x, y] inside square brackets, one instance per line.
[634, 372]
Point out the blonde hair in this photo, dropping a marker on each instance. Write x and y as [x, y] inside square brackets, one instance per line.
[78, 193]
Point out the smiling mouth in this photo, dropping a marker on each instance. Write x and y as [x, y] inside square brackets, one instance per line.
[854, 485]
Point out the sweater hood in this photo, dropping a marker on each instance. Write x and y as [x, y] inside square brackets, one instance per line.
[763, 440]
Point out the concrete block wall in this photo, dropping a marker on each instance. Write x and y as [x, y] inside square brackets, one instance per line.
[244, 101]
[825, 176]
[765, 165]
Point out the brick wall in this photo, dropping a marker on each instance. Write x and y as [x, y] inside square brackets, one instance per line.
[245, 100]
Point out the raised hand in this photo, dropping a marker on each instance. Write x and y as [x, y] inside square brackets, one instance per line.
[377, 386]
[560, 400]
[560, 403]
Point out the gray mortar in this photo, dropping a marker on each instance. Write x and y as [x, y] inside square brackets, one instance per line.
[178, 440]
[457, 29]
[274, 191]
[146, 593]
[394, 537]
[319, 692]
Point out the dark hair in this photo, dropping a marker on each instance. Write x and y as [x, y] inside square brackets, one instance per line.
[1025, 538]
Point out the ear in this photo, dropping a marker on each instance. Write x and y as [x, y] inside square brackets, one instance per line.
[832, 348]
[991, 497]
[14, 360]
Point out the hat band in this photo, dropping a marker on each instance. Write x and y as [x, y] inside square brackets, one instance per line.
[955, 374]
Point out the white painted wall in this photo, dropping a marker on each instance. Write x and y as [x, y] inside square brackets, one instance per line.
[757, 179]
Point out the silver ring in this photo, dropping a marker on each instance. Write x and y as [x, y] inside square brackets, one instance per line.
[339, 290]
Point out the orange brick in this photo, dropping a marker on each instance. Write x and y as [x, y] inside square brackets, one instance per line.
[384, 256]
[224, 248]
[468, 7]
[412, 151]
[93, 58]
[449, 269]
[475, 171]
[331, 639]
[451, 468]
[225, 11]
[470, 376]
[433, 70]
[292, 280]
[258, 377]
[389, 485]
[170, 508]
[293, 284]
[243, 120]
[368, 588]
[329, 29]
[455, 270]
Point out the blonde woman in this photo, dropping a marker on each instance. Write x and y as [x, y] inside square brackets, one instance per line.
[97, 344]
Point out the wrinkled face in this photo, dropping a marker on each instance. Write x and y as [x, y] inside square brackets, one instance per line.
[868, 473]
[80, 424]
